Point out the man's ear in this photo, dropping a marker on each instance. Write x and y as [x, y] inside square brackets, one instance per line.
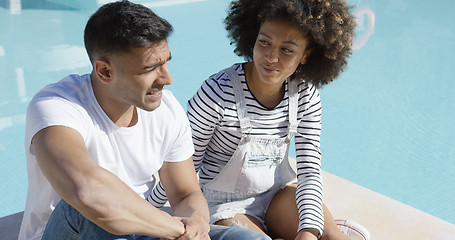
[306, 55]
[103, 70]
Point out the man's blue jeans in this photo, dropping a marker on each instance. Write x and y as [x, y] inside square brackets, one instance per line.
[67, 223]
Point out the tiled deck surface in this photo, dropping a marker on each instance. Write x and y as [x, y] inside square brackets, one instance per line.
[385, 218]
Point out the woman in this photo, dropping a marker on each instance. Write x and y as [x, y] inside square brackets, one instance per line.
[244, 117]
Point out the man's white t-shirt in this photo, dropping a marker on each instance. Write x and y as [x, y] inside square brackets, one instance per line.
[134, 154]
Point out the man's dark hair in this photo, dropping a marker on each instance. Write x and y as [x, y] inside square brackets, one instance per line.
[119, 26]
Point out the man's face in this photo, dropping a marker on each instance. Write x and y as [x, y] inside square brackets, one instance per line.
[140, 75]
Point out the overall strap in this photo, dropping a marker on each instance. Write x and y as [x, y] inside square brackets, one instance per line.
[293, 99]
[245, 124]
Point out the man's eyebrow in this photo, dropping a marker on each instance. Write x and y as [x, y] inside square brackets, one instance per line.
[155, 65]
[287, 42]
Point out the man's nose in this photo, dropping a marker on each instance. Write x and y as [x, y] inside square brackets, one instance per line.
[164, 75]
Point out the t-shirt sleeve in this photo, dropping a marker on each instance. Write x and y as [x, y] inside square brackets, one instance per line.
[181, 148]
[46, 111]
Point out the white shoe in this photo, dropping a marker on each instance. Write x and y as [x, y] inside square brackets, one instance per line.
[353, 230]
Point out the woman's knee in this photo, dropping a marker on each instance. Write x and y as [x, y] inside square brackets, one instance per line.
[282, 217]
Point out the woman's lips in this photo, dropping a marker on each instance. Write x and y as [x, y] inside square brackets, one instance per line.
[269, 69]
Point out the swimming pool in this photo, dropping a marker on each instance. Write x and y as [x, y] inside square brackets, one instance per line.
[387, 121]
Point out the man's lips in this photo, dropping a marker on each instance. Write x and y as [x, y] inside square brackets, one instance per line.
[155, 94]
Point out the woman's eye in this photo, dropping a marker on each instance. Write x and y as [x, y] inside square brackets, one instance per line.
[287, 50]
[263, 42]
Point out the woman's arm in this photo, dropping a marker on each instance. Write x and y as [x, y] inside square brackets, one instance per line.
[205, 110]
[307, 141]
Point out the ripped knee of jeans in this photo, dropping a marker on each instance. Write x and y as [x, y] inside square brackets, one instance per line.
[238, 223]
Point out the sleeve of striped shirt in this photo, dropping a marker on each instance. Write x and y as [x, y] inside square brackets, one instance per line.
[307, 144]
[204, 113]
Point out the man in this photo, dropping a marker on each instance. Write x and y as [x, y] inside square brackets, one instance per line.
[96, 140]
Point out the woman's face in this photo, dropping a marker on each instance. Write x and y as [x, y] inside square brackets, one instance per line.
[278, 51]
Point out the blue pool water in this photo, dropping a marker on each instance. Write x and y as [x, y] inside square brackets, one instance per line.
[388, 121]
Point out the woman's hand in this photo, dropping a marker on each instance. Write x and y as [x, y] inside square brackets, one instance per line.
[310, 234]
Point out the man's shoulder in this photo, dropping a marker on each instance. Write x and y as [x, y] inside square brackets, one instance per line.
[66, 87]
[168, 96]
[62, 103]
[170, 109]
[170, 103]
[63, 100]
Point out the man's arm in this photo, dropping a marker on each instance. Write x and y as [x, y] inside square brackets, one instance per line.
[96, 193]
[185, 196]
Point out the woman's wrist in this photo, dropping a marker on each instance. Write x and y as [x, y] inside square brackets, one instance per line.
[308, 234]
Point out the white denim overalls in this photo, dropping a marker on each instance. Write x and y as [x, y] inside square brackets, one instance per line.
[259, 164]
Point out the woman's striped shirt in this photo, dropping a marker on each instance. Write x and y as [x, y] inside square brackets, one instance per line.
[216, 134]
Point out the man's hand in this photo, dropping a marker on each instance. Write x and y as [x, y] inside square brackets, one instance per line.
[195, 228]
[186, 199]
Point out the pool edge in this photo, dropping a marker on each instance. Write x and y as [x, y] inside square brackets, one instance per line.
[384, 217]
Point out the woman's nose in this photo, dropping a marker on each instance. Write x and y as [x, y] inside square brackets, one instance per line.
[272, 55]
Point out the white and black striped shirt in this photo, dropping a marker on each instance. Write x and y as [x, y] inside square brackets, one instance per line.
[216, 134]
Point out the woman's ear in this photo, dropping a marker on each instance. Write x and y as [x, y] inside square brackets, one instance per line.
[306, 55]
[103, 70]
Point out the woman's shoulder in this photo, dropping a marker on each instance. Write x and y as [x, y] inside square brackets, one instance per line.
[223, 76]
[307, 88]
[217, 90]
[220, 82]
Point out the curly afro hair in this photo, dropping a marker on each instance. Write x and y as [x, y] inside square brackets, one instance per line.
[328, 23]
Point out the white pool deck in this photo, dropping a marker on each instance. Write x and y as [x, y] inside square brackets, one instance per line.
[385, 218]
